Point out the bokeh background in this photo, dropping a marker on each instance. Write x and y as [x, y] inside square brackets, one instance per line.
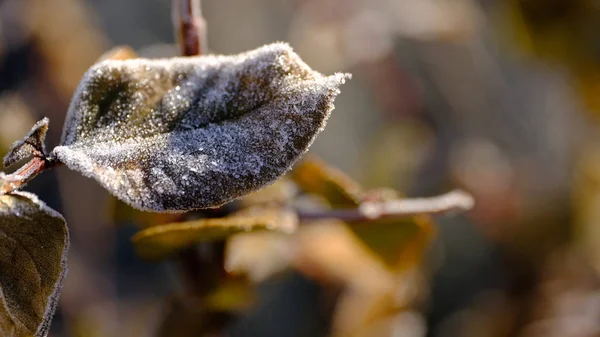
[497, 97]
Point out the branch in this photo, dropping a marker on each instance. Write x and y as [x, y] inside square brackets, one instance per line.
[455, 201]
[201, 268]
[20, 178]
[190, 27]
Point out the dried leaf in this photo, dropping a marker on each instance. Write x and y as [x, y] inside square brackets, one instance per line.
[119, 53]
[328, 251]
[31, 145]
[399, 243]
[232, 295]
[259, 255]
[280, 192]
[33, 252]
[195, 132]
[314, 176]
[161, 241]
[123, 213]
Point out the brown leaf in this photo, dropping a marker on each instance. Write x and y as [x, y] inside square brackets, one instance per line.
[33, 251]
[31, 145]
[259, 255]
[398, 242]
[195, 132]
[327, 251]
[314, 176]
[119, 53]
[161, 241]
[123, 213]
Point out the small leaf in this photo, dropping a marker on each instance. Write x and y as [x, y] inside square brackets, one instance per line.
[31, 145]
[161, 241]
[314, 176]
[119, 53]
[399, 243]
[33, 251]
[122, 213]
[195, 132]
[259, 255]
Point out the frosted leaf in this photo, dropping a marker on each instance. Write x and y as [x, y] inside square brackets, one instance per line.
[31, 145]
[196, 132]
[33, 252]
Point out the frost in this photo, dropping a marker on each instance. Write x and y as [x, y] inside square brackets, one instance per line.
[186, 133]
[31, 145]
[33, 251]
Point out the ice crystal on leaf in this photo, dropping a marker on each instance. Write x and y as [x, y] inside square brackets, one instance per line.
[32, 144]
[33, 251]
[195, 132]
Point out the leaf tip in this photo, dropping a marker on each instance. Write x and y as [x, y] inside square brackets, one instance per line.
[31, 145]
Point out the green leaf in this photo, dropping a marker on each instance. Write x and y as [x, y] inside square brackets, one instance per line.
[33, 250]
[195, 132]
[162, 241]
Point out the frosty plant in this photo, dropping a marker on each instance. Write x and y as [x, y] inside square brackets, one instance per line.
[169, 135]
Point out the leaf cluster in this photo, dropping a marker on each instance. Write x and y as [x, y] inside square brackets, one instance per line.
[169, 135]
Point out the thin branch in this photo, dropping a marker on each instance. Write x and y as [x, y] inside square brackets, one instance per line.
[455, 201]
[20, 178]
[202, 267]
[190, 27]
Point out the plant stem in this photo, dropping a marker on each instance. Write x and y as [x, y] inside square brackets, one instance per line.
[190, 27]
[201, 268]
[12, 182]
[455, 201]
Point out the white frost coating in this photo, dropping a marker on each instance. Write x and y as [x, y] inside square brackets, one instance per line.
[186, 133]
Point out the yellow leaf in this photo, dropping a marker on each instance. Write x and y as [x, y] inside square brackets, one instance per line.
[314, 176]
[124, 213]
[400, 243]
[119, 53]
[327, 251]
[280, 192]
[161, 241]
[231, 296]
[259, 255]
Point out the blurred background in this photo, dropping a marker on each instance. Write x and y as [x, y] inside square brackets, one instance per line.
[500, 98]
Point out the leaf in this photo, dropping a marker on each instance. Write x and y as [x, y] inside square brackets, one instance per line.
[259, 255]
[33, 250]
[31, 145]
[161, 241]
[122, 213]
[195, 132]
[280, 192]
[328, 251]
[398, 242]
[119, 53]
[315, 176]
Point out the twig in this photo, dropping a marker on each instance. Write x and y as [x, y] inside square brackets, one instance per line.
[190, 27]
[201, 268]
[455, 201]
[20, 178]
